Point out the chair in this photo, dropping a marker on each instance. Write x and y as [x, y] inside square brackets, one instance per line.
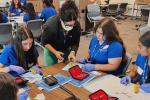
[36, 28]
[144, 17]
[144, 29]
[5, 33]
[112, 10]
[93, 13]
[144, 14]
[126, 65]
[122, 10]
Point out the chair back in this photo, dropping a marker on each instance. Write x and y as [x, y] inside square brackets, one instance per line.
[123, 7]
[5, 33]
[36, 27]
[144, 14]
[93, 10]
[129, 58]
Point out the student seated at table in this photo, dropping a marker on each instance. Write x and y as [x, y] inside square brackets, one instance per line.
[30, 13]
[3, 18]
[20, 55]
[15, 8]
[9, 89]
[47, 11]
[141, 72]
[106, 49]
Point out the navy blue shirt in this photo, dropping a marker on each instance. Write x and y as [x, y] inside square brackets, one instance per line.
[4, 18]
[100, 53]
[47, 12]
[26, 17]
[142, 68]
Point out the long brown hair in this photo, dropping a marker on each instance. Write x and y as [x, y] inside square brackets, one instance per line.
[22, 34]
[110, 32]
[1, 17]
[8, 87]
[31, 11]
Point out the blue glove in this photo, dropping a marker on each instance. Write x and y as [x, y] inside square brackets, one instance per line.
[23, 96]
[83, 60]
[125, 80]
[89, 67]
[36, 69]
[145, 88]
[17, 69]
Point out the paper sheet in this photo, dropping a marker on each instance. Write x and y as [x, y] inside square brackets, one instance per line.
[66, 68]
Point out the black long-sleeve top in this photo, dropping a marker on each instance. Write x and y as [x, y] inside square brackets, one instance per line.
[56, 36]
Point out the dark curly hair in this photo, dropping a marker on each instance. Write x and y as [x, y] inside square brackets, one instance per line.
[145, 39]
[69, 11]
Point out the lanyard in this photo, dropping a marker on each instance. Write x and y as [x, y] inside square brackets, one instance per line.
[95, 52]
[144, 77]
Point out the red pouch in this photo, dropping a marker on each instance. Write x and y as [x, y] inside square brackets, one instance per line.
[20, 81]
[76, 73]
[101, 95]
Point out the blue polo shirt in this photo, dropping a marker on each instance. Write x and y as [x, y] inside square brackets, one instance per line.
[8, 56]
[47, 12]
[15, 11]
[26, 17]
[100, 53]
[23, 2]
[4, 18]
[142, 68]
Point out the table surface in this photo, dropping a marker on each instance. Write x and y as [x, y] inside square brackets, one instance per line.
[58, 94]
[103, 81]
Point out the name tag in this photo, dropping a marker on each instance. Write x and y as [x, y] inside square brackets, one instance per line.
[139, 70]
[106, 47]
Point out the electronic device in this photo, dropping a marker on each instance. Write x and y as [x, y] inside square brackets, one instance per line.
[50, 80]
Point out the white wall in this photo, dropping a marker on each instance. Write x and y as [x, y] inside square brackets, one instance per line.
[122, 1]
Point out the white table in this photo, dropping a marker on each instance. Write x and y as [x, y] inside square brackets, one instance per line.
[111, 85]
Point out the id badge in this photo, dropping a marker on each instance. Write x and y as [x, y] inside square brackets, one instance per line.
[140, 70]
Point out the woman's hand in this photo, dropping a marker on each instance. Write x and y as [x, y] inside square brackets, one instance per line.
[59, 55]
[18, 69]
[72, 56]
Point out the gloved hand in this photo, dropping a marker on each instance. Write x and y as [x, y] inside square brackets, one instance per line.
[83, 60]
[23, 96]
[36, 69]
[125, 80]
[17, 69]
[145, 88]
[89, 67]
